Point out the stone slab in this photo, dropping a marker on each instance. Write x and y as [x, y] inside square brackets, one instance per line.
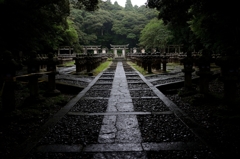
[113, 147]
[60, 148]
[170, 146]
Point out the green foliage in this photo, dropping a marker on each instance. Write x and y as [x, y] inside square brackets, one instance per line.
[139, 69]
[111, 24]
[207, 24]
[101, 67]
[37, 25]
[128, 5]
[155, 35]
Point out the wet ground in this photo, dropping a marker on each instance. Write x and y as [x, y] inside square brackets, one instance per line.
[122, 114]
[119, 114]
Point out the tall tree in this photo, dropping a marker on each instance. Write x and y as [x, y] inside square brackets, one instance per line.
[128, 5]
[155, 35]
[35, 25]
[214, 23]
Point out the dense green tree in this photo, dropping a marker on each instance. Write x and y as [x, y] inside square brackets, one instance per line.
[215, 24]
[128, 5]
[155, 35]
[111, 24]
[39, 25]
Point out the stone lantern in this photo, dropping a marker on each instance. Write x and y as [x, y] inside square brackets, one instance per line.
[158, 61]
[52, 71]
[229, 75]
[188, 70]
[8, 68]
[164, 61]
[77, 63]
[89, 62]
[204, 72]
[33, 67]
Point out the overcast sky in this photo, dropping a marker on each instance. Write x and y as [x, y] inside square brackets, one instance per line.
[134, 2]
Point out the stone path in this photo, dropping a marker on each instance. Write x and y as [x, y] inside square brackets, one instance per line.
[120, 128]
[118, 115]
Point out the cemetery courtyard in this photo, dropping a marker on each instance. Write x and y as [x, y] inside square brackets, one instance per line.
[120, 113]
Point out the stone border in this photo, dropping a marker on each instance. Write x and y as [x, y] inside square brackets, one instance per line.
[30, 143]
[199, 131]
[120, 113]
[122, 147]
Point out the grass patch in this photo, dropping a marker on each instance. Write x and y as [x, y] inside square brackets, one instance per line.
[101, 67]
[139, 69]
[68, 64]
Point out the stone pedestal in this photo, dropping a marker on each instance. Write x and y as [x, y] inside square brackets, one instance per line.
[164, 63]
[188, 70]
[188, 78]
[51, 68]
[115, 53]
[204, 72]
[230, 76]
[33, 66]
[8, 96]
[149, 62]
[204, 81]
[8, 67]
[33, 86]
[77, 63]
[89, 62]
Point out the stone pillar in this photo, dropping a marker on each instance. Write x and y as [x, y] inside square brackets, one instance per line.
[69, 52]
[95, 51]
[104, 50]
[149, 63]
[33, 64]
[115, 52]
[89, 62]
[51, 68]
[134, 50]
[84, 50]
[188, 70]
[123, 53]
[8, 68]
[58, 51]
[164, 61]
[77, 63]
[204, 72]
[229, 75]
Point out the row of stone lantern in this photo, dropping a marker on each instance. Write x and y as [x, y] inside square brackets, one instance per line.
[229, 73]
[88, 61]
[8, 77]
[150, 61]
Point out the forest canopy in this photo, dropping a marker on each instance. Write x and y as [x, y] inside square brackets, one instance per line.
[208, 24]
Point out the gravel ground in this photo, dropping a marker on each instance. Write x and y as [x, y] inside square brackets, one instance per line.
[164, 128]
[220, 119]
[91, 106]
[98, 93]
[28, 117]
[74, 130]
[142, 93]
[137, 86]
[149, 105]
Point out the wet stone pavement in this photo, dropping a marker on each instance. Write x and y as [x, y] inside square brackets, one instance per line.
[119, 115]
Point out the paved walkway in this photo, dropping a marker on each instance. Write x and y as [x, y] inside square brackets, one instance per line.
[120, 117]
[120, 128]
